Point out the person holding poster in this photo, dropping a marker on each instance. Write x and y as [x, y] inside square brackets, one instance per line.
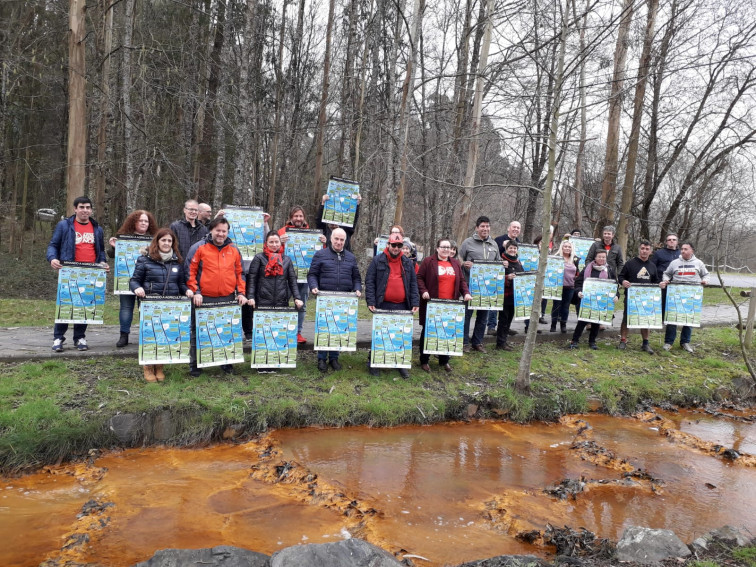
[595, 269]
[662, 259]
[560, 310]
[686, 269]
[189, 230]
[328, 228]
[159, 272]
[76, 239]
[439, 277]
[639, 270]
[215, 276]
[614, 258]
[138, 223]
[391, 285]
[507, 314]
[271, 279]
[513, 233]
[334, 269]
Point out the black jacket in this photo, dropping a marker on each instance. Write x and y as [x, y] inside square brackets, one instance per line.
[159, 278]
[271, 291]
[377, 277]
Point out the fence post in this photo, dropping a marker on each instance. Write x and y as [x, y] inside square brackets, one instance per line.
[749, 322]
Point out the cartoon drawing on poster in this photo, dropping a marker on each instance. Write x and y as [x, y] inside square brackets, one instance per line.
[528, 254]
[644, 306]
[444, 327]
[684, 304]
[81, 293]
[391, 345]
[553, 280]
[127, 251]
[580, 247]
[219, 334]
[274, 338]
[246, 227]
[301, 247]
[524, 291]
[341, 206]
[597, 304]
[336, 321]
[164, 330]
[487, 286]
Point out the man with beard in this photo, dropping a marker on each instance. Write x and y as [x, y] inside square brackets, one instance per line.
[640, 269]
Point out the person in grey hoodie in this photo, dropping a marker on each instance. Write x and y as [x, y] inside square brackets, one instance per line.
[686, 269]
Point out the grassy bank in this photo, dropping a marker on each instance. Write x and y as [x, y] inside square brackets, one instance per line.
[57, 410]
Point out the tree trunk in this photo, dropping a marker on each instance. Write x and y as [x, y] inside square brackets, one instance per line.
[277, 111]
[105, 109]
[128, 142]
[580, 159]
[244, 131]
[77, 103]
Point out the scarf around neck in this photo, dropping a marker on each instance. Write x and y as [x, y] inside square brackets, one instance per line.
[275, 262]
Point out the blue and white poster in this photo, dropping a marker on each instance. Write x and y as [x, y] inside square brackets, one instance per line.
[580, 247]
[444, 327]
[486, 285]
[524, 291]
[246, 227]
[274, 338]
[165, 325]
[341, 206]
[336, 321]
[382, 243]
[127, 251]
[301, 247]
[597, 304]
[684, 304]
[553, 280]
[644, 306]
[219, 334]
[391, 345]
[528, 254]
[81, 293]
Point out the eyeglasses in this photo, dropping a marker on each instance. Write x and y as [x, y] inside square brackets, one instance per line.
[671, 239]
[190, 210]
[444, 247]
[396, 245]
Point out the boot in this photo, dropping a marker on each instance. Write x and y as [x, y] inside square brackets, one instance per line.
[563, 326]
[553, 327]
[149, 373]
[159, 374]
[123, 341]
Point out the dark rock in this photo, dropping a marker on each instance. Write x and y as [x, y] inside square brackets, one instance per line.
[508, 561]
[646, 545]
[221, 556]
[163, 426]
[728, 535]
[127, 427]
[346, 553]
[580, 542]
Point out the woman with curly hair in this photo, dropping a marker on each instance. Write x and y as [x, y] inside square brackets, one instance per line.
[138, 223]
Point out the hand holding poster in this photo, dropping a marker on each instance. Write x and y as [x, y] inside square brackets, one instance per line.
[644, 306]
[597, 304]
[341, 206]
[391, 339]
[524, 291]
[219, 334]
[554, 278]
[81, 293]
[336, 321]
[444, 327]
[580, 247]
[127, 251]
[528, 255]
[684, 304]
[382, 243]
[274, 338]
[301, 247]
[487, 285]
[246, 227]
[164, 330]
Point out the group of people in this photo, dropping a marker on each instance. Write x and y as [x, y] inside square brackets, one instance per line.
[195, 258]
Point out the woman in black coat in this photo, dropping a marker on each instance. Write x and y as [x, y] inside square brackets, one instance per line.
[159, 272]
[271, 278]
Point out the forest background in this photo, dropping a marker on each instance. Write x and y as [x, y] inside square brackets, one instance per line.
[441, 111]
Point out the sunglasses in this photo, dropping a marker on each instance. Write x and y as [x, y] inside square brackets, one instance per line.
[396, 245]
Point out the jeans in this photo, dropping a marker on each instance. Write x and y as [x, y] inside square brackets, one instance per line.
[560, 309]
[59, 331]
[480, 326]
[580, 327]
[304, 292]
[671, 333]
[126, 313]
[328, 355]
[492, 318]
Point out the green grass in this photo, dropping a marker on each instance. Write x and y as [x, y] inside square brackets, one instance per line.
[746, 554]
[717, 296]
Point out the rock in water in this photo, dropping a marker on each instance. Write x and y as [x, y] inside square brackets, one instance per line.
[644, 545]
[346, 553]
[508, 561]
[220, 556]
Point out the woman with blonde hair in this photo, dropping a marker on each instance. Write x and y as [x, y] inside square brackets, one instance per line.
[560, 309]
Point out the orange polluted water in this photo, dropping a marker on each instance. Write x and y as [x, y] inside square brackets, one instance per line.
[449, 493]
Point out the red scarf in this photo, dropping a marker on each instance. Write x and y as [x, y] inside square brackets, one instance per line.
[275, 262]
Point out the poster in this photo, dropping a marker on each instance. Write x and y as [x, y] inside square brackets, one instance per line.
[554, 278]
[528, 255]
[382, 243]
[274, 338]
[336, 321]
[597, 304]
[219, 334]
[444, 327]
[165, 326]
[580, 246]
[341, 206]
[486, 285]
[644, 306]
[684, 304]
[127, 251]
[391, 345]
[246, 227]
[524, 290]
[81, 293]
[301, 247]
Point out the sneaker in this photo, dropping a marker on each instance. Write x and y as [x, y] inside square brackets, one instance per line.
[593, 346]
[425, 368]
[248, 337]
[542, 320]
[300, 339]
[479, 348]
[622, 345]
[511, 332]
[58, 345]
[404, 373]
[81, 344]
[491, 331]
[647, 348]
[573, 345]
[322, 365]
[335, 364]
[686, 347]
[466, 348]
[667, 346]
